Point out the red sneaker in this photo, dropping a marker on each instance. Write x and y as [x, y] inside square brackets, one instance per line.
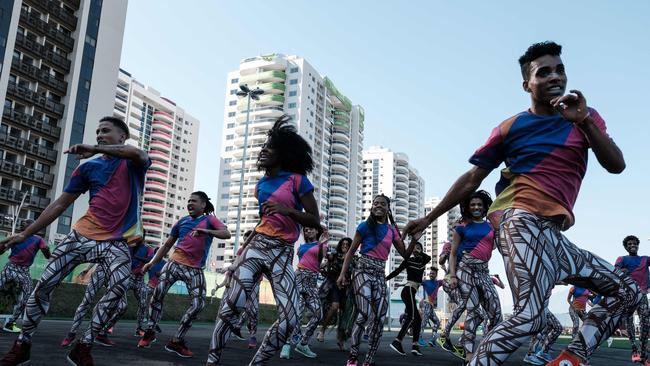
[68, 339]
[636, 357]
[103, 340]
[80, 355]
[139, 332]
[147, 339]
[18, 355]
[566, 358]
[110, 330]
[178, 347]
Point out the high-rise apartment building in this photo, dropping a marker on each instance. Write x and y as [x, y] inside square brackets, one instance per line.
[325, 117]
[170, 135]
[56, 59]
[389, 173]
[440, 230]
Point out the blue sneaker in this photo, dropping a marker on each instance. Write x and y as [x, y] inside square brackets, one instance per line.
[422, 343]
[545, 356]
[533, 360]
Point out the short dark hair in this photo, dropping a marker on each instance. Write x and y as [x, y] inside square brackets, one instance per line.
[631, 237]
[117, 122]
[536, 51]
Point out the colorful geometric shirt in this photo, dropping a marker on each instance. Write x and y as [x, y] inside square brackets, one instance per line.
[546, 160]
[580, 297]
[377, 244]
[308, 256]
[192, 250]
[636, 266]
[23, 254]
[115, 187]
[287, 189]
[140, 255]
[431, 288]
[476, 240]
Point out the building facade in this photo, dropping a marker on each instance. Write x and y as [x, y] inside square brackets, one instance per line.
[440, 231]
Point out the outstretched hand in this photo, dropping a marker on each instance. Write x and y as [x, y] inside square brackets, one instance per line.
[83, 151]
[415, 226]
[147, 266]
[11, 241]
[341, 281]
[572, 106]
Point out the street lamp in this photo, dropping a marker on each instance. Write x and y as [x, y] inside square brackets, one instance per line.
[250, 94]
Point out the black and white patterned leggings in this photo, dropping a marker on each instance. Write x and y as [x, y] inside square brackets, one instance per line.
[97, 281]
[576, 315]
[477, 290]
[20, 276]
[429, 315]
[370, 294]
[141, 294]
[307, 282]
[194, 280]
[642, 312]
[251, 315]
[272, 258]
[537, 256]
[114, 256]
[548, 336]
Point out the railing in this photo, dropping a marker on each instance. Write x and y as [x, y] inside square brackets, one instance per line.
[53, 8]
[38, 74]
[30, 122]
[42, 52]
[22, 171]
[14, 195]
[48, 30]
[24, 145]
[33, 97]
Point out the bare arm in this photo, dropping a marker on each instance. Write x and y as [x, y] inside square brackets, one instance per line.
[499, 282]
[84, 151]
[160, 254]
[608, 154]
[46, 253]
[356, 241]
[568, 298]
[455, 243]
[220, 234]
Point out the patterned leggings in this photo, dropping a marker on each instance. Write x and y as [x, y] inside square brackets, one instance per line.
[273, 258]
[370, 295]
[194, 280]
[576, 316]
[141, 294]
[97, 281]
[252, 311]
[306, 281]
[548, 336]
[642, 312]
[20, 276]
[477, 290]
[429, 314]
[536, 257]
[74, 250]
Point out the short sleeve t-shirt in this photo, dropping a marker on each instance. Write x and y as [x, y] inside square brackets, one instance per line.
[580, 297]
[477, 240]
[23, 254]
[546, 160]
[192, 250]
[377, 244]
[636, 267]
[431, 288]
[139, 256]
[287, 189]
[115, 186]
[308, 256]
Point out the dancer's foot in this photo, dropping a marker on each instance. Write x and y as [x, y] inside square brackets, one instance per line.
[11, 327]
[103, 340]
[139, 332]
[179, 347]
[321, 336]
[237, 333]
[415, 350]
[18, 354]
[567, 358]
[533, 360]
[446, 344]
[544, 356]
[304, 350]
[285, 354]
[396, 346]
[252, 342]
[352, 362]
[68, 339]
[422, 342]
[147, 339]
[80, 355]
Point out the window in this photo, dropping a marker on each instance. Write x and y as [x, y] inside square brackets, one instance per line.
[233, 91]
[293, 93]
[234, 81]
[293, 81]
[293, 69]
[230, 125]
[292, 105]
[225, 195]
[228, 148]
[230, 137]
[225, 184]
[231, 114]
[232, 102]
[90, 40]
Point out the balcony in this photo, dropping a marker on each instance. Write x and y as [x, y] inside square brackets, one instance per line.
[340, 157]
[164, 116]
[152, 194]
[339, 188]
[271, 99]
[25, 120]
[45, 29]
[155, 186]
[336, 198]
[152, 228]
[338, 167]
[157, 155]
[266, 76]
[37, 74]
[154, 207]
[162, 136]
[53, 8]
[15, 196]
[162, 126]
[24, 145]
[157, 176]
[72, 3]
[33, 98]
[19, 170]
[39, 51]
[338, 209]
[337, 220]
[272, 88]
[339, 178]
[6, 223]
[160, 145]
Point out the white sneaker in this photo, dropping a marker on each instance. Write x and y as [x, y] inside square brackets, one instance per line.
[305, 351]
[286, 352]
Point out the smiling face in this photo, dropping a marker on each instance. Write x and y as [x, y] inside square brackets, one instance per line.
[310, 234]
[632, 247]
[109, 134]
[195, 206]
[476, 208]
[379, 208]
[547, 79]
[268, 157]
[345, 246]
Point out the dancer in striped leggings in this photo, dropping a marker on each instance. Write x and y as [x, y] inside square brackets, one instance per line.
[375, 235]
[540, 344]
[545, 150]
[193, 236]
[17, 271]
[115, 181]
[310, 255]
[577, 300]
[283, 192]
[431, 287]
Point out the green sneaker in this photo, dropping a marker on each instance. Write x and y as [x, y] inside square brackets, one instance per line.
[459, 352]
[286, 352]
[11, 328]
[445, 343]
[305, 351]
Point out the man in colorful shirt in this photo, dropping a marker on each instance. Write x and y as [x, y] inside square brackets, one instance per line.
[430, 287]
[115, 181]
[545, 150]
[17, 271]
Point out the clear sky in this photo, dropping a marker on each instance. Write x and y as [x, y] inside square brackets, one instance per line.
[434, 77]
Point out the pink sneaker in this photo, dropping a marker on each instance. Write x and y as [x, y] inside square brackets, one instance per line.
[636, 357]
[67, 341]
[352, 362]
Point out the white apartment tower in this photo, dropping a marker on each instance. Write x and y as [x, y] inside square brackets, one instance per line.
[170, 137]
[57, 58]
[440, 231]
[389, 173]
[325, 117]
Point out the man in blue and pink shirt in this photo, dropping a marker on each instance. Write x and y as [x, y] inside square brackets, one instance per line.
[114, 180]
[17, 271]
[430, 287]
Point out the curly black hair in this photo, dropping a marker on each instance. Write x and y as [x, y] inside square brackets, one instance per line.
[484, 196]
[293, 151]
[631, 237]
[536, 51]
[339, 246]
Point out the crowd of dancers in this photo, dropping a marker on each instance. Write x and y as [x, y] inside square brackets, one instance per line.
[545, 151]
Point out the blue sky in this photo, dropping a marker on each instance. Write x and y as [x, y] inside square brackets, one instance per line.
[434, 78]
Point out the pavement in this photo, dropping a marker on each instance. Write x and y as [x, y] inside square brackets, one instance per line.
[46, 350]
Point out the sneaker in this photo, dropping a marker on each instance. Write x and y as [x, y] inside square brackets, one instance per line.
[147, 339]
[432, 342]
[351, 362]
[18, 355]
[139, 332]
[533, 360]
[415, 350]
[636, 357]
[110, 330]
[566, 358]
[286, 352]
[397, 347]
[545, 356]
[422, 343]
[445, 343]
[80, 355]
[252, 342]
[304, 350]
[103, 340]
[237, 333]
[460, 352]
[68, 339]
[178, 347]
[11, 328]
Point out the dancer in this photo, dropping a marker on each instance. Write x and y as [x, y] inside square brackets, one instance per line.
[471, 250]
[310, 255]
[636, 267]
[545, 150]
[100, 236]
[577, 300]
[282, 193]
[335, 297]
[415, 267]
[193, 236]
[17, 271]
[375, 235]
[453, 294]
[431, 287]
